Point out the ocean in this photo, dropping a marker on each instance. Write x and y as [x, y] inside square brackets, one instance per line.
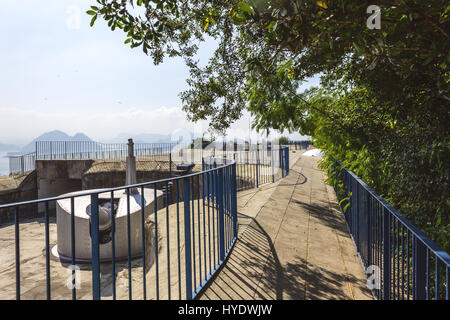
[4, 164]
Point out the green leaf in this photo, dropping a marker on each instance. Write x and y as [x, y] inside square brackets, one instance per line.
[245, 8]
[91, 12]
[358, 48]
[93, 20]
[346, 206]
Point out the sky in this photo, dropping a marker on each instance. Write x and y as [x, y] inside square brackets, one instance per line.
[58, 73]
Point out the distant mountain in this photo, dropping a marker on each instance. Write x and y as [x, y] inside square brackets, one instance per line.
[55, 135]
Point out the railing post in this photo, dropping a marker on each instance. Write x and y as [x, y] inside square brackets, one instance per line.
[257, 166]
[357, 213]
[419, 269]
[219, 200]
[272, 163]
[386, 255]
[369, 229]
[170, 164]
[234, 199]
[280, 154]
[95, 248]
[287, 161]
[187, 238]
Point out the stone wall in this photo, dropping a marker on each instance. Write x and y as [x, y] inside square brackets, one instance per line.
[25, 191]
[53, 178]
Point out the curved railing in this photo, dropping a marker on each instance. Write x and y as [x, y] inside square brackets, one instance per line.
[23, 163]
[182, 237]
[401, 262]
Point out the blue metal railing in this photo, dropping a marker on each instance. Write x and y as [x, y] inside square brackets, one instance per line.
[401, 262]
[199, 213]
[64, 150]
[206, 202]
[21, 164]
[298, 145]
[260, 166]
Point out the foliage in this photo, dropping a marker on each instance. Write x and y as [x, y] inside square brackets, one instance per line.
[383, 106]
[283, 140]
[200, 142]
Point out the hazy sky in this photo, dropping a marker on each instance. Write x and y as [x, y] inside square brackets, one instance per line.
[59, 74]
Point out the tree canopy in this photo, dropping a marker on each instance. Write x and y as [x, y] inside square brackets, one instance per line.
[383, 103]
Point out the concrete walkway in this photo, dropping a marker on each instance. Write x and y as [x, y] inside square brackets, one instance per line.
[293, 243]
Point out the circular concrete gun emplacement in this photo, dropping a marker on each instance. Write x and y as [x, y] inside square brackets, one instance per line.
[82, 210]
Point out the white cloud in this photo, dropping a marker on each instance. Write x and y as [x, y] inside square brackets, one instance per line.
[85, 80]
[96, 124]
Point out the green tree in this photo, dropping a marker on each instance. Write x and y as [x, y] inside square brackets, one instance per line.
[383, 105]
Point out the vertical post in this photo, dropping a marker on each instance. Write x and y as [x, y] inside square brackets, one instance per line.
[17, 243]
[257, 165]
[272, 164]
[287, 161]
[170, 164]
[357, 213]
[386, 255]
[95, 248]
[234, 199]
[47, 251]
[187, 238]
[419, 269]
[369, 229]
[221, 214]
[280, 165]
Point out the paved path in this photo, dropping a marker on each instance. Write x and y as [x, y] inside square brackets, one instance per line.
[293, 243]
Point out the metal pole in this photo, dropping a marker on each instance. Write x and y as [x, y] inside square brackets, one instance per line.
[419, 269]
[234, 199]
[187, 238]
[386, 255]
[221, 215]
[170, 164]
[95, 248]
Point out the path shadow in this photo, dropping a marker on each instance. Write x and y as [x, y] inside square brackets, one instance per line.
[328, 216]
[263, 188]
[253, 255]
[254, 271]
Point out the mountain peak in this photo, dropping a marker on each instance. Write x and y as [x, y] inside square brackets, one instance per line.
[55, 135]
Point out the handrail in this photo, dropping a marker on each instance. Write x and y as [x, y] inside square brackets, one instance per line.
[209, 198]
[99, 191]
[444, 256]
[409, 263]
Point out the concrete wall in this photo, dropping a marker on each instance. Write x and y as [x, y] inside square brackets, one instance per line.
[53, 178]
[113, 179]
[27, 190]
[117, 178]
[57, 177]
